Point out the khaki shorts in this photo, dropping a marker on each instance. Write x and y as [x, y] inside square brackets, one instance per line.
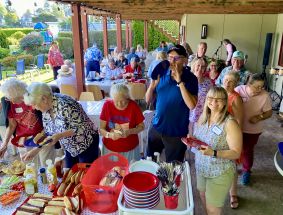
[216, 189]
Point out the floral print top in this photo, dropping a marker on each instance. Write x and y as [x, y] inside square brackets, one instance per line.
[203, 89]
[215, 136]
[67, 114]
[55, 58]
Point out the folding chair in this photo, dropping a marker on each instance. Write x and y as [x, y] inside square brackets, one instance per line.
[69, 90]
[86, 96]
[96, 92]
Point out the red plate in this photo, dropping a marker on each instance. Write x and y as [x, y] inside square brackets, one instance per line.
[140, 181]
[193, 142]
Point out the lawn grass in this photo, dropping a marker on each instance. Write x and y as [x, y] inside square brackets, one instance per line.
[44, 76]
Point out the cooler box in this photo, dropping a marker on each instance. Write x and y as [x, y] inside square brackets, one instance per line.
[103, 199]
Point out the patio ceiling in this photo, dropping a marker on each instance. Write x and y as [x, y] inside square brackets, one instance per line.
[174, 9]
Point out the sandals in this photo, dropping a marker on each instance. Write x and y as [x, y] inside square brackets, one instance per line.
[234, 203]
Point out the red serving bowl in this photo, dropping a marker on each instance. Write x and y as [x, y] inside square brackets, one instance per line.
[140, 181]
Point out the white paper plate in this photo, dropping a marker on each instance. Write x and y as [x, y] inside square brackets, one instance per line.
[144, 165]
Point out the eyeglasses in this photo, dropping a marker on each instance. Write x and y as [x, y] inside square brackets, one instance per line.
[175, 58]
[216, 99]
[258, 87]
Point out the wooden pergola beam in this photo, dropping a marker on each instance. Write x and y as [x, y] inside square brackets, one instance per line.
[78, 47]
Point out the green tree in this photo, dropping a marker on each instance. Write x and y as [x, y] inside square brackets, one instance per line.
[58, 11]
[11, 19]
[3, 10]
[45, 17]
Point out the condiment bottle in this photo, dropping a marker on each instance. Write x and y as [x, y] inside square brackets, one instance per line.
[29, 184]
[43, 176]
[59, 166]
[51, 175]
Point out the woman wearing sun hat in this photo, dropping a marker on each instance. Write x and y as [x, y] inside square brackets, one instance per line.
[66, 76]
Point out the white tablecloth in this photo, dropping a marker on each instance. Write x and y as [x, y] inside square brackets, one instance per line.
[93, 109]
[105, 85]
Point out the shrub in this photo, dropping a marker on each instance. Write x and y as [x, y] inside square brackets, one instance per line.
[154, 36]
[31, 42]
[12, 41]
[65, 34]
[9, 61]
[18, 35]
[28, 59]
[4, 53]
[3, 40]
[66, 46]
[10, 31]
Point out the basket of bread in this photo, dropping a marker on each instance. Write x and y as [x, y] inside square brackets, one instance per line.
[71, 181]
[103, 182]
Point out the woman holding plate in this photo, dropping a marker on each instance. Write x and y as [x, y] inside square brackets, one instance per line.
[215, 165]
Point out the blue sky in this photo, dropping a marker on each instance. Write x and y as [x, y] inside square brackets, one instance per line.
[21, 6]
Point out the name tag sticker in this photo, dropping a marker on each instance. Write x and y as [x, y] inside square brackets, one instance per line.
[216, 130]
[19, 110]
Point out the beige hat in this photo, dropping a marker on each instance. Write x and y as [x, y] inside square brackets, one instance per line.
[65, 70]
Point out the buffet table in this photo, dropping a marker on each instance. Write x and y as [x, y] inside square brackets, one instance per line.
[93, 110]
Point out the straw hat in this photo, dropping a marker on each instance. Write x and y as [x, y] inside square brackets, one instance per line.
[65, 70]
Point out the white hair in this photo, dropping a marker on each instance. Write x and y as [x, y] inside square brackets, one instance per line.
[14, 88]
[120, 89]
[35, 92]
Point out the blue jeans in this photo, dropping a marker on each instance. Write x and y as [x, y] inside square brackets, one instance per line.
[88, 156]
[92, 65]
[174, 148]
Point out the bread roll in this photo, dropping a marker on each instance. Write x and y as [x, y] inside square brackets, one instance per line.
[61, 189]
[56, 203]
[67, 189]
[68, 203]
[53, 209]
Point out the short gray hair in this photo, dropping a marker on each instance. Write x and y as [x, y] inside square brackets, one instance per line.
[14, 88]
[35, 92]
[120, 89]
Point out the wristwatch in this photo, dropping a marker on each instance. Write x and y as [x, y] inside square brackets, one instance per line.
[178, 83]
[214, 154]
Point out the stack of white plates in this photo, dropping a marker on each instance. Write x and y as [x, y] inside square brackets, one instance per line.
[141, 190]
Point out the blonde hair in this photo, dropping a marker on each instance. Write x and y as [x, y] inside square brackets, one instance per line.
[196, 60]
[218, 92]
[161, 55]
[234, 74]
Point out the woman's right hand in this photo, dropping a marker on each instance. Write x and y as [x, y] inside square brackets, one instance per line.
[115, 136]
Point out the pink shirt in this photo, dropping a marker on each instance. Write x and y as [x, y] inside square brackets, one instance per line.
[255, 105]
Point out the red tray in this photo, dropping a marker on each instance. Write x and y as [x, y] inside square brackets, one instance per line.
[193, 142]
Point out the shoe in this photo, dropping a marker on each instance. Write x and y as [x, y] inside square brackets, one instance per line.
[234, 203]
[245, 179]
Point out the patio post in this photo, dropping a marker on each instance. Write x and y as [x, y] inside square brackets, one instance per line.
[105, 36]
[127, 34]
[145, 35]
[84, 17]
[118, 32]
[130, 35]
[78, 47]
